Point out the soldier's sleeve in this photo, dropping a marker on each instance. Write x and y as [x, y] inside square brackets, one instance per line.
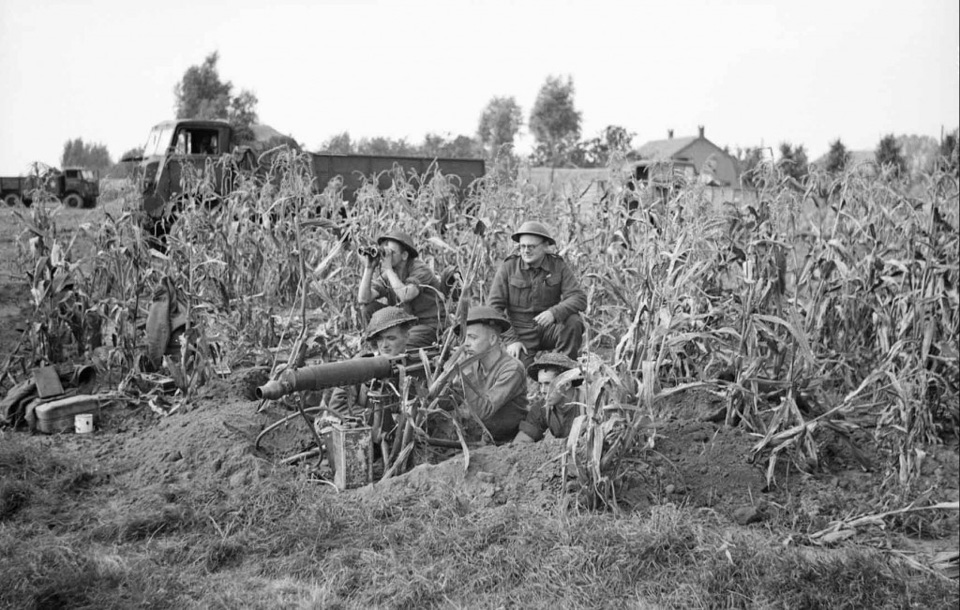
[535, 424]
[378, 287]
[572, 297]
[343, 401]
[499, 298]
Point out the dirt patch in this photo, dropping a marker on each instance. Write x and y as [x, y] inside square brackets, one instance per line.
[526, 475]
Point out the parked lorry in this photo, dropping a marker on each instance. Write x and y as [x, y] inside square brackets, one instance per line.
[171, 145]
[74, 186]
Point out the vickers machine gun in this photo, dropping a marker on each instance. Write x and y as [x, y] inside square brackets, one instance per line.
[351, 448]
[344, 373]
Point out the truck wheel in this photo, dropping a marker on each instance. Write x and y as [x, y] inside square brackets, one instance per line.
[73, 200]
[12, 199]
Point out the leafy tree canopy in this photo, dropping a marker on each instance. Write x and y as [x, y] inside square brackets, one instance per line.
[597, 152]
[555, 121]
[950, 151]
[837, 157]
[793, 161]
[433, 145]
[202, 95]
[77, 153]
[889, 154]
[499, 124]
[749, 160]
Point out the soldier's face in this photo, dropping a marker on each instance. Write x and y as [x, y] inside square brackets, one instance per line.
[479, 339]
[532, 249]
[544, 378]
[393, 252]
[392, 342]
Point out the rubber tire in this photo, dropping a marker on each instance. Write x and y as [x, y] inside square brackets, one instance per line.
[12, 199]
[73, 200]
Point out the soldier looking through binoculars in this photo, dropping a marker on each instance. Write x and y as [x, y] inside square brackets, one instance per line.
[394, 275]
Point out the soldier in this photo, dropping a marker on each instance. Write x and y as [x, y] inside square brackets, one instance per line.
[388, 333]
[558, 400]
[406, 282]
[492, 386]
[540, 295]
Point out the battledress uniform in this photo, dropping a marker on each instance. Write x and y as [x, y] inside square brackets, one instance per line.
[498, 397]
[523, 292]
[427, 306]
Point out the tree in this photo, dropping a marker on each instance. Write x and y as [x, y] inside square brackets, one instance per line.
[338, 144]
[837, 157]
[793, 161]
[950, 151]
[598, 151]
[385, 146]
[889, 155]
[749, 160]
[555, 121]
[462, 146]
[499, 124]
[202, 95]
[77, 153]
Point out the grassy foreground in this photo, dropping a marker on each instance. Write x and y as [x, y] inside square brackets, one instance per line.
[76, 535]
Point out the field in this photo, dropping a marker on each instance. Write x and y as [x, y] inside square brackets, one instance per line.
[773, 406]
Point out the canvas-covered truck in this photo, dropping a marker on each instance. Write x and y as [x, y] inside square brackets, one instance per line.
[172, 145]
[75, 187]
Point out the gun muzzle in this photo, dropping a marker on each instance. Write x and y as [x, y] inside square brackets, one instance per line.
[328, 375]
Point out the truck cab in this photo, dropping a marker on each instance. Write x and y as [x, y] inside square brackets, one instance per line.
[173, 145]
[78, 187]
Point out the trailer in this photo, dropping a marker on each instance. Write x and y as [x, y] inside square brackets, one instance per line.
[172, 145]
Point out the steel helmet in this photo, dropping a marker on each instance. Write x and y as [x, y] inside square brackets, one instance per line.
[548, 360]
[533, 227]
[385, 318]
[401, 238]
[484, 314]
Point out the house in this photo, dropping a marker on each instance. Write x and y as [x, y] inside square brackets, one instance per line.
[694, 156]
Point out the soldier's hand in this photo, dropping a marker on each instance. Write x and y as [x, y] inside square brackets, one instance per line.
[516, 348]
[545, 319]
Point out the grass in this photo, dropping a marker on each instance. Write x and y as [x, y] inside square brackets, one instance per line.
[288, 543]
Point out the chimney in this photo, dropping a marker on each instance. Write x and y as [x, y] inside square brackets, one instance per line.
[669, 134]
[700, 128]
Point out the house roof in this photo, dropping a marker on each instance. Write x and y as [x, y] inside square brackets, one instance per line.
[665, 149]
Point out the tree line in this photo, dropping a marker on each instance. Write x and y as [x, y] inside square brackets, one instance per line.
[554, 122]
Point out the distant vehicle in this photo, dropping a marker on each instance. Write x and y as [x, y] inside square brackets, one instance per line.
[75, 187]
[173, 144]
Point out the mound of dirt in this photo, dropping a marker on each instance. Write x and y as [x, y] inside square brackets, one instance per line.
[524, 474]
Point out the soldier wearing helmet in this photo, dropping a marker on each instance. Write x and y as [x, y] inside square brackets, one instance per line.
[492, 385]
[541, 296]
[388, 333]
[559, 397]
[404, 281]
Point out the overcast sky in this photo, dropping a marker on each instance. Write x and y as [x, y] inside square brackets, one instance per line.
[751, 72]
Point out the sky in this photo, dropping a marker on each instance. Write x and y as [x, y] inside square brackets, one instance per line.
[751, 72]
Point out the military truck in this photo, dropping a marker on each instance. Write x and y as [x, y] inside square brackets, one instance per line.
[75, 187]
[171, 145]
